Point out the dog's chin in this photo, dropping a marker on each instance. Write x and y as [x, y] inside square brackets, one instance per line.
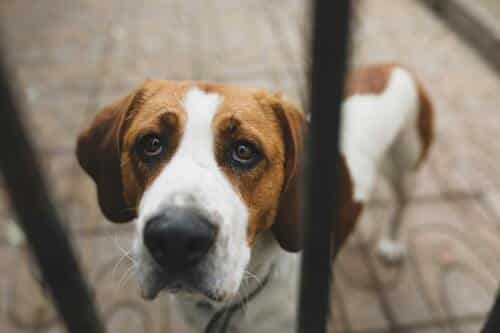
[151, 291]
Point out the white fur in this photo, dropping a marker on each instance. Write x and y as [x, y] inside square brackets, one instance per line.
[192, 177]
[272, 310]
[372, 123]
[391, 251]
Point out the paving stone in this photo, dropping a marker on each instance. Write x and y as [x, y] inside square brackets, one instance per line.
[72, 191]
[54, 120]
[67, 52]
[280, 83]
[406, 299]
[157, 44]
[492, 6]
[473, 327]
[6, 261]
[446, 248]
[436, 329]
[76, 195]
[363, 309]
[427, 287]
[356, 294]
[466, 295]
[29, 306]
[491, 202]
[250, 48]
[338, 319]
[353, 268]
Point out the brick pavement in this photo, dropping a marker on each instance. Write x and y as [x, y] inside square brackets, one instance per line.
[72, 59]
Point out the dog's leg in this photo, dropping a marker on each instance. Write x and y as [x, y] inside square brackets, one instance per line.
[398, 168]
[390, 249]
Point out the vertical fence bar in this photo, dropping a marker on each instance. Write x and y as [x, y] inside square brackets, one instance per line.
[39, 220]
[329, 62]
[492, 324]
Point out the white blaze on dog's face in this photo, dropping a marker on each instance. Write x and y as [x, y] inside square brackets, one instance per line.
[194, 178]
[204, 168]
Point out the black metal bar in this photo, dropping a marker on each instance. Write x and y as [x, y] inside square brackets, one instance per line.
[493, 322]
[39, 220]
[329, 62]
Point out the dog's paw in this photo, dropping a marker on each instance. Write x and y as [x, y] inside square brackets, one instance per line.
[391, 252]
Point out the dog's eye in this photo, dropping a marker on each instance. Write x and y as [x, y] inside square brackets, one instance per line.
[150, 146]
[244, 154]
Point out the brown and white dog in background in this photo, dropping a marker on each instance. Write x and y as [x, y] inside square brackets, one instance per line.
[209, 173]
[388, 129]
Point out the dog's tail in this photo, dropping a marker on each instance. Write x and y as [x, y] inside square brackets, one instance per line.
[425, 124]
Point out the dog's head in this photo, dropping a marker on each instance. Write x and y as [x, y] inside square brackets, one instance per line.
[204, 169]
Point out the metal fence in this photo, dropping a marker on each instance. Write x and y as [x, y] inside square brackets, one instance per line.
[329, 54]
[39, 219]
[51, 246]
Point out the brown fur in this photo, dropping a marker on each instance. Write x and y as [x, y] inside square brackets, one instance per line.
[241, 116]
[287, 227]
[373, 79]
[98, 152]
[425, 124]
[349, 209]
[271, 190]
[368, 80]
[103, 149]
[106, 148]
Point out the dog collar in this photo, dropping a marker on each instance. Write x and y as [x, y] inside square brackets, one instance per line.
[220, 321]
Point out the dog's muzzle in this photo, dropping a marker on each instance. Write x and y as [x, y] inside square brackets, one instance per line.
[179, 238]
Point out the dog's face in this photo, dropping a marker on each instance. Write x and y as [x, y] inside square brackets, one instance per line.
[204, 169]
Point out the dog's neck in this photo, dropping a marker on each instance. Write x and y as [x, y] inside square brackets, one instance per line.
[268, 263]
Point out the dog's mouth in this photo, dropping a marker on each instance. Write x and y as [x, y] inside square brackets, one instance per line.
[151, 291]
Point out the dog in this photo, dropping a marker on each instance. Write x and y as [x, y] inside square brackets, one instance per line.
[387, 129]
[211, 175]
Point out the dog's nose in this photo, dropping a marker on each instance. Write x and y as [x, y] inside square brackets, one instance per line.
[179, 238]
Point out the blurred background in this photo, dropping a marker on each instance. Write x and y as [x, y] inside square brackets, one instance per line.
[71, 58]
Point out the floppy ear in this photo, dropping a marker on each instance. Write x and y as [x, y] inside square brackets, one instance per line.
[98, 151]
[287, 227]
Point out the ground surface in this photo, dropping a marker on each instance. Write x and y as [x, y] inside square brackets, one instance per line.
[72, 60]
[493, 6]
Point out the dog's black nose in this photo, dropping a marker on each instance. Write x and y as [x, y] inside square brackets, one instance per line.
[179, 238]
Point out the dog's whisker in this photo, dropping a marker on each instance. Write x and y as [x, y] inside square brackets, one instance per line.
[126, 253]
[115, 267]
[245, 304]
[125, 276]
[254, 276]
[245, 285]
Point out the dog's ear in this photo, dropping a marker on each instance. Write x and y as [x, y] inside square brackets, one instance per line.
[287, 227]
[98, 151]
